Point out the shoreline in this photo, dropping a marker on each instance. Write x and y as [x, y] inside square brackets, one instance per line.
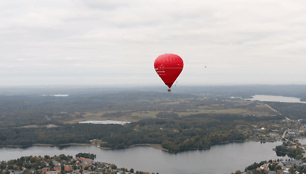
[155, 146]
[50, 145]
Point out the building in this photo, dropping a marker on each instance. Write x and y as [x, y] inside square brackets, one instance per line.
[56, 163]
[43, 170]
[292, 133]
[58, 168]
[87, 160]
[53, 172]
[302, 129]
[273, 134]
[272, 172]
[68, 168]
[293, 162]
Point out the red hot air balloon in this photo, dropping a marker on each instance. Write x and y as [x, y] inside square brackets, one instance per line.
[168, 67]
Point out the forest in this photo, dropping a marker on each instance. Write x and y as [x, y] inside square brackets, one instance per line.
[283, 150]
[193, 118]
[177, 134]
[86, 155]
[290, 110]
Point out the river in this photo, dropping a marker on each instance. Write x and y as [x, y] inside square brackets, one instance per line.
[217, 160]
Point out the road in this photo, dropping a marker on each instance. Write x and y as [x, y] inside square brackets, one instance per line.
[284, 134]
[273, 109]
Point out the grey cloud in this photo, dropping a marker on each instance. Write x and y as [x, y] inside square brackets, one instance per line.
[105, 4]
[11, 9]
[115, 41]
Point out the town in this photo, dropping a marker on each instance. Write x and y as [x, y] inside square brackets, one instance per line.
[62, 164]
[282, 131]
[292, 150]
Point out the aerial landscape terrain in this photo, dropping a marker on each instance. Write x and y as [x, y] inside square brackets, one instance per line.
[152, 87]
[190, 119]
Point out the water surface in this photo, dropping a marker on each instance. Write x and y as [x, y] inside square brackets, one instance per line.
[105, 122]
[218, 160]
[271, 98]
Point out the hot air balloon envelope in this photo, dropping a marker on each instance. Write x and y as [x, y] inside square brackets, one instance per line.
[168, 67]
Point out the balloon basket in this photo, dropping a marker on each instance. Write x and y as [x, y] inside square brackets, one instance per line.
[169, 90]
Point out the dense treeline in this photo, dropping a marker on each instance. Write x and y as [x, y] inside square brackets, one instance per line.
[283, 150]
[176, 134]
[290, 110]
[38, 110]
[86, 155]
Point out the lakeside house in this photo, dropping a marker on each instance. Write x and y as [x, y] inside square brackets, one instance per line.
[43, 170]
[58, 168]
[56, 163]
[68, 168]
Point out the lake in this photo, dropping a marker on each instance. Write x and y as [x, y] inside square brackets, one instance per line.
[217, 160]
[104, 122]
[272, 98]
[57, 95]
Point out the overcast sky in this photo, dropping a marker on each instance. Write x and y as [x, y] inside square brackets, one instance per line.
[108, 42]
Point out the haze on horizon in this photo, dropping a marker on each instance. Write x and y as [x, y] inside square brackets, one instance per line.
[109, 42]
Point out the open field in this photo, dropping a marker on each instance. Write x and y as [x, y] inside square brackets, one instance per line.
[145, 114]
[182, 107]
[217, 111]
[121, 107]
